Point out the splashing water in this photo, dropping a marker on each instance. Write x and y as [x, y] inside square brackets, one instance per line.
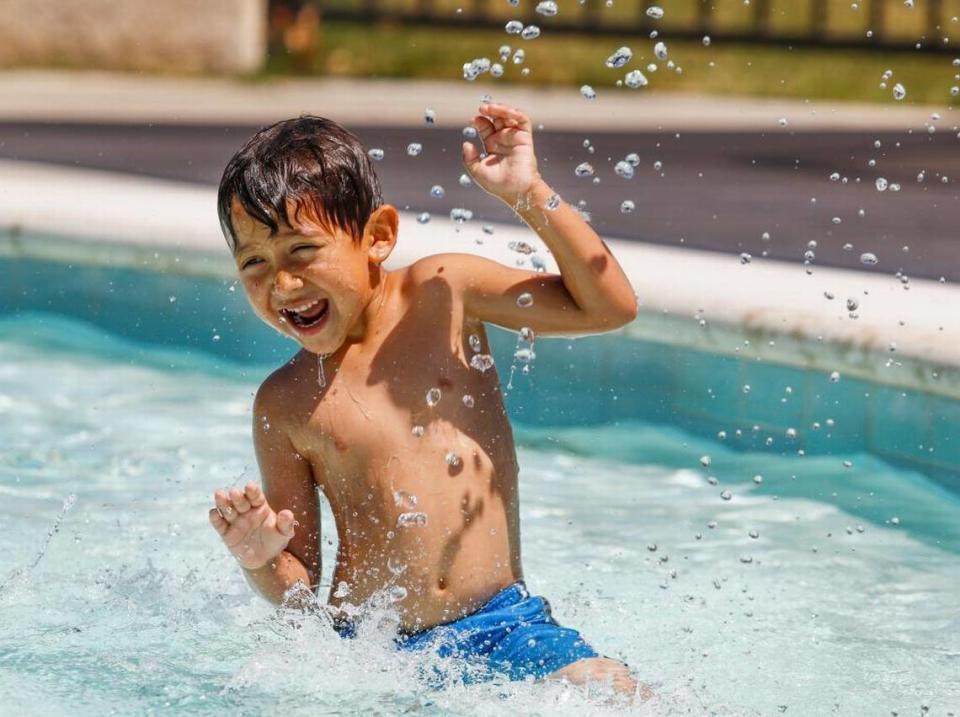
[137, 608]
[619, 58]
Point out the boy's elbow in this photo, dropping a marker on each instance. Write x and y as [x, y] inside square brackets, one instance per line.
[625, 311]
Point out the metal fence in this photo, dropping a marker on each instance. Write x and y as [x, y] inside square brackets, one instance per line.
[898, 25]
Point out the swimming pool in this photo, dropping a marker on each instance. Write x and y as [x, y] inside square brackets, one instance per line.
[127, 392]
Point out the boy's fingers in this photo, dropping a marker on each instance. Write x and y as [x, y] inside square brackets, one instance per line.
[217, 521]
[285, 522]
[255, 495]
[239, 500]
[484, 126]
[507, 113]
[471, 156]
[512, 137]
[224, 506]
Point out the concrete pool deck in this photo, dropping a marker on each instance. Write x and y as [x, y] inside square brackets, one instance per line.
[55, 95]
[770, 310]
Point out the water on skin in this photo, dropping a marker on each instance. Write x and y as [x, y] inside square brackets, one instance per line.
[134, 607]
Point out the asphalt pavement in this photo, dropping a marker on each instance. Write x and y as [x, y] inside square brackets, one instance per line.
[721, 191]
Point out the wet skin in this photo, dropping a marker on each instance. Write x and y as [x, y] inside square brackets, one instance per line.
[387, 338]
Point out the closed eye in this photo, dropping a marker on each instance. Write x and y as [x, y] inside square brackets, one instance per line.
[303, 246]
[250, 262]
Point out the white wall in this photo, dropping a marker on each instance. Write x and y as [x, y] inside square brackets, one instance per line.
[162, 35]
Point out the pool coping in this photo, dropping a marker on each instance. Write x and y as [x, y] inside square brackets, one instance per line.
[767, 310]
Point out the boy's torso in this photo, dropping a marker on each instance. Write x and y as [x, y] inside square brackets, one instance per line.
[379, 476]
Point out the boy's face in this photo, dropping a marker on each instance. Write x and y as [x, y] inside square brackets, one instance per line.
[310, 281]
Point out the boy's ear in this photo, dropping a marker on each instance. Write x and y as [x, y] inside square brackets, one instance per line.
[380, 232]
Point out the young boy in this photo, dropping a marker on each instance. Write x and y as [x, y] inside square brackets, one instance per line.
[392, 407]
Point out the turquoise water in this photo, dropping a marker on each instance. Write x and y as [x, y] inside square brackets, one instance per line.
[117, 597]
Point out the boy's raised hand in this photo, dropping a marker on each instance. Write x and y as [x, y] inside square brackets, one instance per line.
[249, 527]
[509, 169]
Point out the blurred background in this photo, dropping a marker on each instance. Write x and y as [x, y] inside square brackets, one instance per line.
[772, 97]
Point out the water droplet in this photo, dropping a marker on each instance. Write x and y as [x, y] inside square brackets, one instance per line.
[745, 258]
[584, 169]
[470, 132]
[530, 32]
[726, 495]
[525, 300]
[619, 58]
[791, 433]
[754, 534]
[437, 192]
[173, 299]
[852, 304]
[624, 169]
[464, 180]
[834, 378]
[414, 149]
[706, 41]
[627, 206]
[521, 247]
[547, 8]
[655, 12]
[468, 400]
[868, 258]
[635, 79]
[712, 524]
[433, 397]
[460, 215]
[403, 499]
[376, 154]
[553, 201]
[758, 479]
[423, 217]
[452, 459]
[429, 116]
[652, 547]
[881, 184]
[588, 92]
[746, 388]
[475, 343]
[527, 334]
[712, 480]
[412, 520]
[481, 362]
[899, 92]
[514, 27]
[705, 461]
[746, 559]
[342, 590]
[395, 566]
[660, 50]
[895, 520]
[524, 355]
[417, 431]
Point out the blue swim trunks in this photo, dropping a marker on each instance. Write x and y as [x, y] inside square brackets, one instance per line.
[513, 635]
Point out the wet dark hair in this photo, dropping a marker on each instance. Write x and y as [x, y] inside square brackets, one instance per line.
[315, 162]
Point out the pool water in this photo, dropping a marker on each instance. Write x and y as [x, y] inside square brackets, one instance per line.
[117, 596]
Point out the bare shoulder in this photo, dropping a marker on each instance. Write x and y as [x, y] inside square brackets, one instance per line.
[278, 393]
[454, 269]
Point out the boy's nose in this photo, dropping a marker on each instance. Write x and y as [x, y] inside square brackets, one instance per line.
[286, 282]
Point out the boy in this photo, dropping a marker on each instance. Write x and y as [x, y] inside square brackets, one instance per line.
[392, 407]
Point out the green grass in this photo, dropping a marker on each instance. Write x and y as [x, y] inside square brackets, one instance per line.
[387, 50]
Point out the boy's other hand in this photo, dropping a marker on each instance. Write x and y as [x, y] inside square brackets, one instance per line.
[249, 527]
[509, 168]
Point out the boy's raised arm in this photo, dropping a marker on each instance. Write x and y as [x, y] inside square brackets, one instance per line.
[591, 293]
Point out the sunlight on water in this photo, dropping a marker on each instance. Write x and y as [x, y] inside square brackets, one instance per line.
[133, 606]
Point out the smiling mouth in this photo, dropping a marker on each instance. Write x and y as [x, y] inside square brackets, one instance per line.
[308, 315]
